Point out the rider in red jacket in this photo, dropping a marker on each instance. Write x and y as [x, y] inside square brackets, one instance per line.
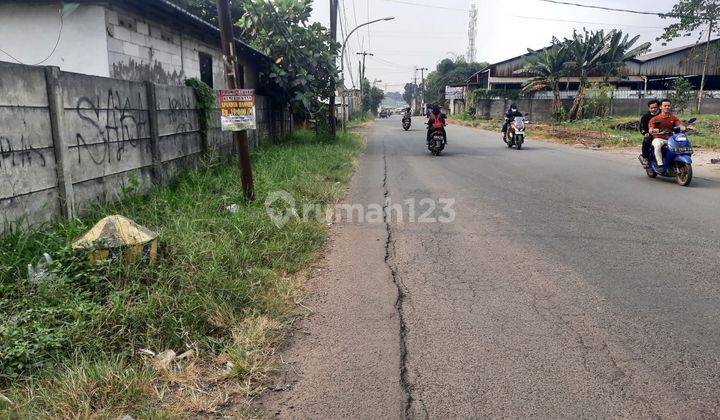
[436, 119]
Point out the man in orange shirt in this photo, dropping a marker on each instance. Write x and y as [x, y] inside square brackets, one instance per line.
[661, 127]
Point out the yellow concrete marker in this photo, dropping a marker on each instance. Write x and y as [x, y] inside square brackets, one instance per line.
[118, 236]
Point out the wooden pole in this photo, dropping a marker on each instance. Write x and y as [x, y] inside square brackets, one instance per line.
[232, 70]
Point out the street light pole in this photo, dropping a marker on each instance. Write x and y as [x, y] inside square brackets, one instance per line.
[342, 62]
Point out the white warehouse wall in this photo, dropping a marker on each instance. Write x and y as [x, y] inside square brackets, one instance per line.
[29, 32]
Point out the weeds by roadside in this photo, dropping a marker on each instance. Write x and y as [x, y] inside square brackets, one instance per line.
[70, 345]
[604, 132]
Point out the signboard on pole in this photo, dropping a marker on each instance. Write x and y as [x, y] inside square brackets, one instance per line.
[454, 92]
[237, 109]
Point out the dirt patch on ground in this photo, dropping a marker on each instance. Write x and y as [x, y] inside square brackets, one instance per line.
[588, 138]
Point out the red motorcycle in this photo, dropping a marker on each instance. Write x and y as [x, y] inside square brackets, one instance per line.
[516, 133]
[437, 138]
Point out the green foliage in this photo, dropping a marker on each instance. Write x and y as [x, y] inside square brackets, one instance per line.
[682, 93]
[215, 269]
[206, 102]
[372, 97]
[689, 16]
[409, 93]
[304, 56]
[446, 73]
[546, 68]
[595, 52]
[599, 97]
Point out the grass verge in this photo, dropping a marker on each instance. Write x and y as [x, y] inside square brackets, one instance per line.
[604, 132]
[221, 294]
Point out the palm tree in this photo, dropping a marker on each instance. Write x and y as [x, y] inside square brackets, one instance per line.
[619, 50]
[546, 68]
[600, 54]
[587, 51]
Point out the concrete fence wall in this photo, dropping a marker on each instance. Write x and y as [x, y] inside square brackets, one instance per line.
[69, 141]
[541, 109]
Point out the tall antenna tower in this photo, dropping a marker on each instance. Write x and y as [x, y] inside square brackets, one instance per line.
[472, 33]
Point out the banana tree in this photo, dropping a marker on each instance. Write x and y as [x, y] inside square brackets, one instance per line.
[546, 68]
[618, 51]
[587, 52]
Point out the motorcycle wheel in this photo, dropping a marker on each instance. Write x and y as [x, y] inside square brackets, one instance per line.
[406, 128]
[684, 175]
[519, 143]
[650, 173]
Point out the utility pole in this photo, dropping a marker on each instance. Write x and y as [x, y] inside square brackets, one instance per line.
[333, 38]
[364, 54]
[362, 72]
[422, 87]
[415, 92]
[233, 72]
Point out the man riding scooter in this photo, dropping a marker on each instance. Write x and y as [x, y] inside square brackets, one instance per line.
[653, 110]
[510, 116]
[661, 127]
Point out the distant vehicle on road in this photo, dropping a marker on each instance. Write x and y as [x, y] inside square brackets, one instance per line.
[383, 113]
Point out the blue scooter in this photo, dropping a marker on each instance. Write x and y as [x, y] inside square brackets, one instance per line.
[677, 160]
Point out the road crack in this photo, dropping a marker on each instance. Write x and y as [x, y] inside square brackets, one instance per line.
[402, 294]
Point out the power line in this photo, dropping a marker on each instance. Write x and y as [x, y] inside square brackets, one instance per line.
[611, 9]
[342, 18]
[57, 43]
[585, 22]
[382, 60]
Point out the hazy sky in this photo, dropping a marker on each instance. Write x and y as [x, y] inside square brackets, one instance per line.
[425, 31]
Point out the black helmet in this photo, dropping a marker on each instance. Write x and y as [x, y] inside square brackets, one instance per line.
[513, 106]
[435, 109]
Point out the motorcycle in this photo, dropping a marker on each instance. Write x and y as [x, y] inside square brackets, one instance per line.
[677, 158]
[437, 138]
[516, 133]
[406, 122]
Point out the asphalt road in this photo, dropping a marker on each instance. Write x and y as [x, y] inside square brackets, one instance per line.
[568, 285]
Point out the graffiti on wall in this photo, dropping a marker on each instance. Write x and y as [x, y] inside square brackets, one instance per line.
[117, 124]
[178, 110]
[23, 156]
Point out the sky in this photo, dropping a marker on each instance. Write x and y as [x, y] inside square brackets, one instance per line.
[425, 31]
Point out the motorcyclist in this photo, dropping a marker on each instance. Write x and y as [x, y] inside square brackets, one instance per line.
[653, 110]
[661, 128]
[510, 115]
[407, 113]
[436, 115]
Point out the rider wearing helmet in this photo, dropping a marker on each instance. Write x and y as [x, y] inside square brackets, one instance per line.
[510, 115]
[435, 115]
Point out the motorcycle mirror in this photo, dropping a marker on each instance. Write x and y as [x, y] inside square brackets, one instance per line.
[692, 120]
[526, 114]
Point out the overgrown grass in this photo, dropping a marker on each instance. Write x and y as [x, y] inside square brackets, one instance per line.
[604, 132]
[69, 344]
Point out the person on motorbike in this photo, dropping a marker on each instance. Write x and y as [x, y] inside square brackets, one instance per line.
[436, 115]
[510, 115]
[406, 113]
[653, 110]
[661, 127]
